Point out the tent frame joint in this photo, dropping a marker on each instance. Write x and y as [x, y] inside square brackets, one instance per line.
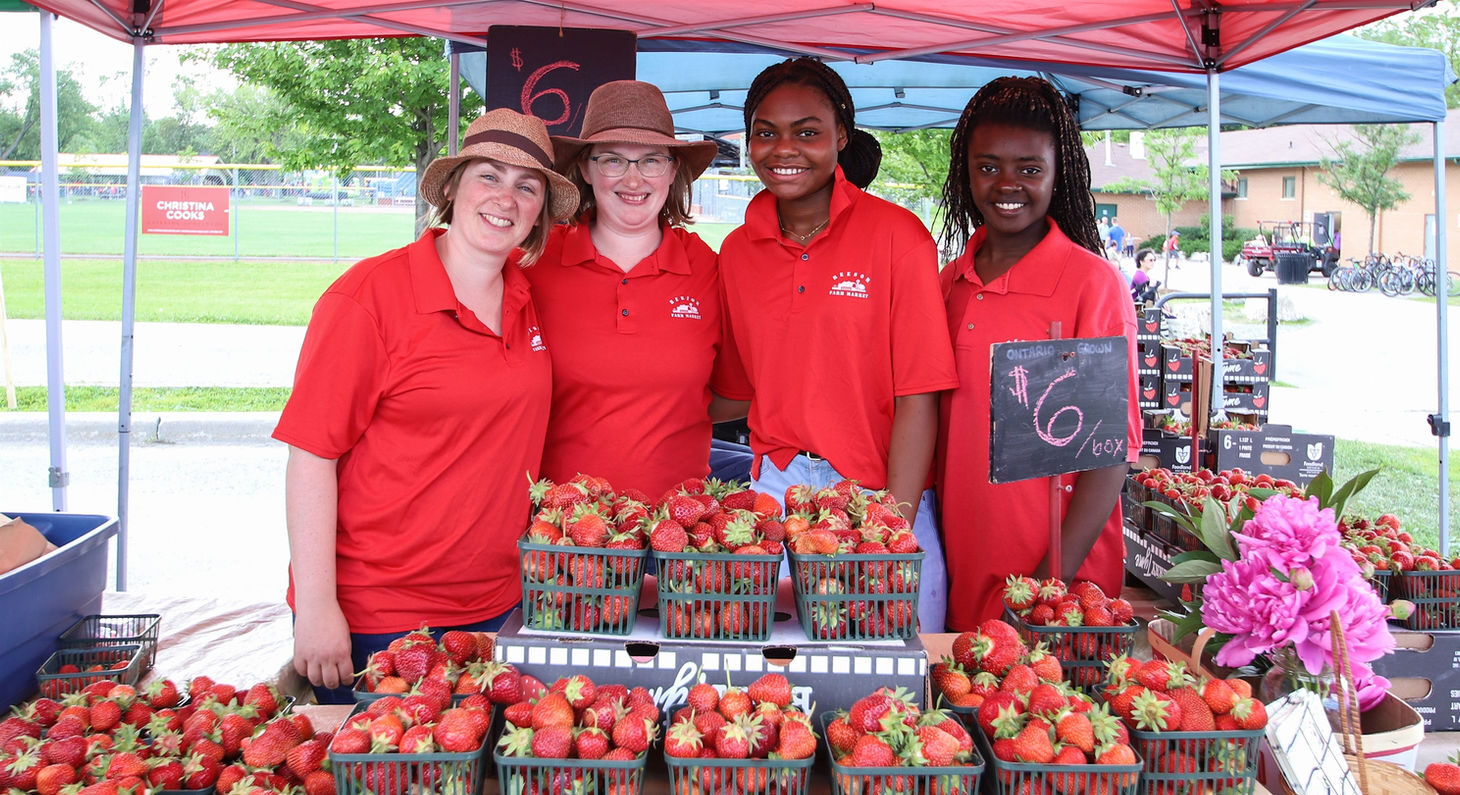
[58, 478]
[1439, 426]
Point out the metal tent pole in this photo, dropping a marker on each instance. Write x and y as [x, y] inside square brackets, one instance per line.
[129, 307]
[1440, 420]
[1214, 167]
[453, 113]
[58, 477]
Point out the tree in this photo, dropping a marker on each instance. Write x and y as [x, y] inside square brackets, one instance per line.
[916, 160]
[20, 109]
[246, 129]
[1358, 170]
[358, 101]
[1174, 181]
[1437, 27]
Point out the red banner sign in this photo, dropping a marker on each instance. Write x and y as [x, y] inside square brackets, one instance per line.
[183, 210]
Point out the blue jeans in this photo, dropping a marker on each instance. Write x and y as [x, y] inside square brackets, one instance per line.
[933, 580]
[363, 645]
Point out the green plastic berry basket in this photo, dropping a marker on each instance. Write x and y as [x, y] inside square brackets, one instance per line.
[1083, 652]
[1382, 583]
[587, 590]
[141, 629]
[769, 776]
[521, 775]
[52, 683]
[857, 597]
[1436, 597]
[1015, 778]
[906, 780]
[1216, 761]
[717, 595]
[441, 773]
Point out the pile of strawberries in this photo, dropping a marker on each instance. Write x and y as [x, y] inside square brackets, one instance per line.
[840, 538]
[1181, 426]
[758, 722]
[1158, 697]
[1444, 776]
[112, 738]
[886, 729]
[1191, 489]
[1202, 347]
[717, 539]
[1058, 728]
[1421, 574]
[599, 537]
[575, 719]
[411, 726]
[984, 659]
[459, 664]
[1049, 603]
[95, 665]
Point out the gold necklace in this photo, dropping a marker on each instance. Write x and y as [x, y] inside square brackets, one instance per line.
[803, 238]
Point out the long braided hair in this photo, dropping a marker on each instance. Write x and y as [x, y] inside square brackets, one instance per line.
[1031, 103]
[862, 155]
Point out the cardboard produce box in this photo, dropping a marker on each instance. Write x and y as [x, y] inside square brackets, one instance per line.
[1425, 672]
[1148, 323]
[1148, 356]
[1150, 395]
[1147, 558]
[1162, 449]
[1243, 399]
[1272, 449]
[830, 675]
[1257, 368]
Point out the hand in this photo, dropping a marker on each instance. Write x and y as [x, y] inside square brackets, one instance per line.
[322, 646]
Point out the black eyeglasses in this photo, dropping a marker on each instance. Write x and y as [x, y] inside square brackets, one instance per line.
[617, 166]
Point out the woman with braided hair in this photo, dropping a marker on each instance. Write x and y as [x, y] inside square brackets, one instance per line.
[834, 309]
[1019, 183]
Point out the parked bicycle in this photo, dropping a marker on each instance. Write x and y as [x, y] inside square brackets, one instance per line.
[1401, 274]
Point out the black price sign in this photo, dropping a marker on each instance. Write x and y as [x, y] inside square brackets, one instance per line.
[1058, 406]
[550, 72]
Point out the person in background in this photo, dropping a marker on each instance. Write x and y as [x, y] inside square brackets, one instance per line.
[631, 301]
[1117, 236]
[1104, 228]
[1019, 184]
[420, 398]
[1142, 287]
[834, 309]
[1172, 248]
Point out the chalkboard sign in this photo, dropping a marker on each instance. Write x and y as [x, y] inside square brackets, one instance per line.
[1058, 406]
[550, 72]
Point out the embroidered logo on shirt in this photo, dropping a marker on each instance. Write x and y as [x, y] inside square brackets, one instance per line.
[850, 284]
[684, 306]
[535, 335]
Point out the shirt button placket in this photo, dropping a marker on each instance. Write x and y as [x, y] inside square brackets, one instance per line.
[625, 316]
[800, 276]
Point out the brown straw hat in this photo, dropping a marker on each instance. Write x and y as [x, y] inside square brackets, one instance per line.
[633, 112]
[506, 136]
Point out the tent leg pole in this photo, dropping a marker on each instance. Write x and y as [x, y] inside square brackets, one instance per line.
[1441, 422]
[1214, 169]
[129, 309]
[453, 109]
[50, 190]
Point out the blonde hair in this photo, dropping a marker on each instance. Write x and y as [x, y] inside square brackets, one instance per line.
[536, 241]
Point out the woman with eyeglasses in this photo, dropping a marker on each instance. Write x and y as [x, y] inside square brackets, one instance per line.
[629, 301]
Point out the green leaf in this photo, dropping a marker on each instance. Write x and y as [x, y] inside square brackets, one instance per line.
[1214, 531]
[1196, 554]
[1180, 518]
[1322, 488]
[1353, 486]
[1187, 624]
[1191, 572]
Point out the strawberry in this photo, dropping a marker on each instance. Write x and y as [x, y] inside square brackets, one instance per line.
[1219, 696]
[634, 734]
[1075, 730]
[319, 782]
[938, 748]
[1033, 745]
[1444, 776]
[668, 536]
[1153, 711]
[771, 688]
[683, 740]
[50, 779]
[796, 740]
[841, 736]
[552, 709]
[1019, 592]
[552, 742]
[1250, 714]
[703, 697]
[271, 746]
[870, 751]
[733, 740]
[590, 743]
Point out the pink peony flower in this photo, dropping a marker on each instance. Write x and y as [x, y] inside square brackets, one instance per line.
[1260, 611]
[1293, 530]
[1370, 687]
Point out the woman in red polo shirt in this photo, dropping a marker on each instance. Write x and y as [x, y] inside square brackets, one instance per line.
[1020, 182]
[630, 300]
[832, 295]
[420, 399]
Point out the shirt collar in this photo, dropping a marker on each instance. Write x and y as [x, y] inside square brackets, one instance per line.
[1036, 273]
[432, 287]
[578, 249]
[762, 221]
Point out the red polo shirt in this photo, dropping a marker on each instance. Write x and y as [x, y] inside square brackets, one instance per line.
[991, 531]
[434, 421]
[632, 357]
[830, 333]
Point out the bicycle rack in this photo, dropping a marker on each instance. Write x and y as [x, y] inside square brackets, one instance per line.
[1272, 314]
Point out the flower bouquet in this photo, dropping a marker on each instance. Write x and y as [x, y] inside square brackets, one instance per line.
[1268, 579]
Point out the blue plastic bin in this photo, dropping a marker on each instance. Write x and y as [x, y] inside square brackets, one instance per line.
[42, 598]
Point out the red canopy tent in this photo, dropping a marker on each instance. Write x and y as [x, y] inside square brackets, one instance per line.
[1193, 36]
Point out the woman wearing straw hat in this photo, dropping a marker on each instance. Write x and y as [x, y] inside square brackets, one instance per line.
[420, 399]
[630, 299]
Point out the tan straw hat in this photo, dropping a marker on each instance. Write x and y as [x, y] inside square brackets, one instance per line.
[506, 136]
[633, 112]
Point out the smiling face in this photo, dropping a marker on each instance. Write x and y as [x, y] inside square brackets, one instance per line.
[630, 201]
[1011, 175]
[495, 205]
[794, 142]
